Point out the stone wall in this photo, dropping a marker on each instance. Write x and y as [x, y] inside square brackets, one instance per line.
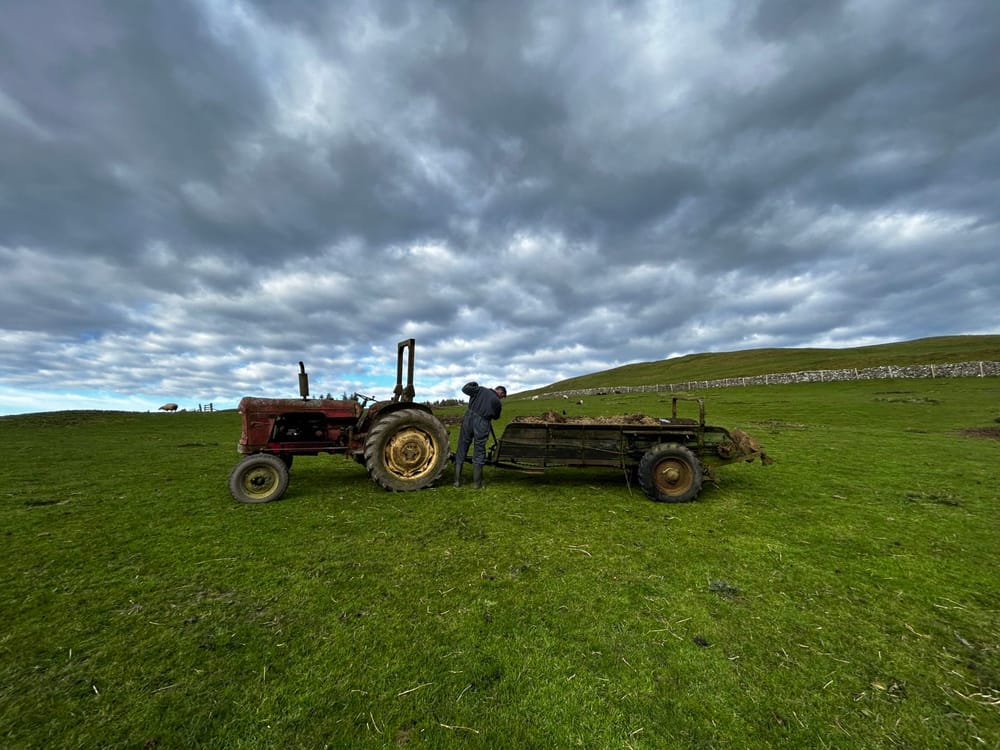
[887, 372]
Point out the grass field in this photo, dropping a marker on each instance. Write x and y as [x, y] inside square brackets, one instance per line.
[846, 596]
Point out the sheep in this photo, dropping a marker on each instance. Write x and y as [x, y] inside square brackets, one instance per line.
[580, 402]
[168, 407]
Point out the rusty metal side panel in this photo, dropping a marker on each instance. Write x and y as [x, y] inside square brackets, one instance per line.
[560, 445]
[555, 444]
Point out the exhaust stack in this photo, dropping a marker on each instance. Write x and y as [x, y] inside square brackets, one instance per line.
[303, 381]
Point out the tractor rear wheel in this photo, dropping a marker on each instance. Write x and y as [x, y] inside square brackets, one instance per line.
[259, 478]
[406, 450]
[670, 473]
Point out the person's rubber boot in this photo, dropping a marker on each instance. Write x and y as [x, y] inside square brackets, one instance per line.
[458, 473]
[477, 477]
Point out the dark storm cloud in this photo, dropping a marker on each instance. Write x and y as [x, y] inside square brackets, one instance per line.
[122, 113]
[197, 193]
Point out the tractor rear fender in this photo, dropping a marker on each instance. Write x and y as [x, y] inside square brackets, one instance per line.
[375, 412]
[382, 408]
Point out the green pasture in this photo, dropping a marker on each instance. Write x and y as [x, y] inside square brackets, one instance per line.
[845, 597]
[713, 365]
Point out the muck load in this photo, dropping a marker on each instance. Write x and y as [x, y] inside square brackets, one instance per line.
[402, 444]
[670, 457]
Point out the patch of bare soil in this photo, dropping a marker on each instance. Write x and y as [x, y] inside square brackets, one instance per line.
[557, 418]
[992, 433]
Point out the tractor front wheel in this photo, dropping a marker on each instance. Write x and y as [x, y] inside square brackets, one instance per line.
[260, 478]
[670, 473]
[406, 450]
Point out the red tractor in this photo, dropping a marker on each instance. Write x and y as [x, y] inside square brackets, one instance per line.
[401, 443]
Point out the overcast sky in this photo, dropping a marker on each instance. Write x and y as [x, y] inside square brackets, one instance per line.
[197, 194]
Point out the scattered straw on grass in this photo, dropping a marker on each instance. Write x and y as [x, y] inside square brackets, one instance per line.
[413, 689]
[458, 728]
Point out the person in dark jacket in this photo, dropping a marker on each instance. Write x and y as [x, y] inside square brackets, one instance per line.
[484, 407]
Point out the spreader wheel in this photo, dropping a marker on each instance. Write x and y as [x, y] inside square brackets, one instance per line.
[406, 450]
[260, 478]
[670, 473]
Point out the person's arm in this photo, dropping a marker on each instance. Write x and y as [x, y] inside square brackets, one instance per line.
[497, 408]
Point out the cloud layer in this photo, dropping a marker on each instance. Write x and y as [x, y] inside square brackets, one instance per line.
[198, 194]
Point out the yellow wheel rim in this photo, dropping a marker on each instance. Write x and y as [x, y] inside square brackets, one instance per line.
[259, 481]
[410, 454]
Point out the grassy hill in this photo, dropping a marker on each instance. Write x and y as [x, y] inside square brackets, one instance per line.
[937, 350]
